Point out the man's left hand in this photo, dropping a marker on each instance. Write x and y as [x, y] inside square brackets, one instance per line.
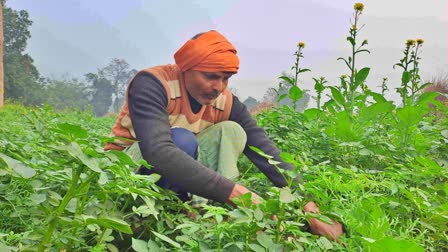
[321, 228]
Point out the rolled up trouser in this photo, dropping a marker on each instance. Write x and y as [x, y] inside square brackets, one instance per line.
[217, 147]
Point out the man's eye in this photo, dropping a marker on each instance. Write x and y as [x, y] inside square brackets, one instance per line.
[211, 76]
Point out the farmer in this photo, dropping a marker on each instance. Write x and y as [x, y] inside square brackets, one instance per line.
[192, 129]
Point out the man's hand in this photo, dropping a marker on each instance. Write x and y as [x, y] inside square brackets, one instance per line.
[321, 228]
[239, 190]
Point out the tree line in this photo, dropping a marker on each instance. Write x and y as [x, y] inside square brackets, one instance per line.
[101, 91]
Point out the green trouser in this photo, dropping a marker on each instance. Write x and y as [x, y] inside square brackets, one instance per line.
[219, 147]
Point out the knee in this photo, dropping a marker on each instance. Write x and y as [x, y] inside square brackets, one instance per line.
[236, 132]
[186, 141]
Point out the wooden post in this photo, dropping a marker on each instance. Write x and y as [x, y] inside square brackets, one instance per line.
[1, 55]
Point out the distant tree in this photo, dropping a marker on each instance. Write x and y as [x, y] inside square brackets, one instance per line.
[66, 94]
[250, 102]
[101, 93]
[21, 78]
[118, 72]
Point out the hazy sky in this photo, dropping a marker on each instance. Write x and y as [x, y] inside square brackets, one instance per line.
[74, 37]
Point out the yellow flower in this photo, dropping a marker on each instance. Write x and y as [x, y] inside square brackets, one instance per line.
[410, 42]
[301, 44]
[359, 6]
[343, 76]
[420, 41]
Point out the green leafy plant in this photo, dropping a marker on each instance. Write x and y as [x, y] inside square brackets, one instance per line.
[347, 100]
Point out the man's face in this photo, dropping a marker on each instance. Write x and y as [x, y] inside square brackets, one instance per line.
[205, 87]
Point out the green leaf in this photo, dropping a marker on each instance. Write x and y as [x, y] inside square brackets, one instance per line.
[287, 79]
[363, 50]
[286, 195]
[373, 111]
[365, 152]
[74, 130]
[444, 133]
[103, 178]
[38, 198]
[405, 77]
[346, 62]
[123, 157]
[5, 248]
[260, 152]
[361, 76]
[337, 96]
[153, 247]
[424, 85]
[390, 244]
[352, 41]
[304, 70]
[311, 113]
[376, 96]
[75, 151]
[295, 93]
[140, 245]
[167, 239]
[320, 217]
[109, 222]
[258, 214]
[272, 205]
[281, 97]
[426, 98]
[256, 248]
[264, 239]
[21, 169]
[398, 64]
[409, 116]
[324, 243]
[319, 87]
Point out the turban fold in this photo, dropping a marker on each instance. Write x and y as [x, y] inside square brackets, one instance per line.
[210, 52]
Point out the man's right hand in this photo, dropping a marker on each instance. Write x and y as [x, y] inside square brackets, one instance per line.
[239, 190]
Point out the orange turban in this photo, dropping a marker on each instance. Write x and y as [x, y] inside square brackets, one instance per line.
[210, 52]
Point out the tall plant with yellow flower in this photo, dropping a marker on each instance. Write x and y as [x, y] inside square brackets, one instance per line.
[295, 93]
[356, 77]
[410, 80]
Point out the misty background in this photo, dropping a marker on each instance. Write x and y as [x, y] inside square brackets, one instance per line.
[73, 37]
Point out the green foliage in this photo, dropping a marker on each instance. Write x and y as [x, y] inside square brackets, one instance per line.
[410, 80]
[102, 91]
[288, 94]
[350, 95]
[21, 77]
[65, 94]
[15, 30]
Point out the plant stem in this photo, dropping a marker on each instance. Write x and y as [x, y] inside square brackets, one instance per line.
[100, 239]
[54, 218]
[219, 242]
[352, 75]
[279, 223]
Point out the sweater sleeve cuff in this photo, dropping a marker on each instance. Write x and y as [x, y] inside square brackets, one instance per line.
[226, 188]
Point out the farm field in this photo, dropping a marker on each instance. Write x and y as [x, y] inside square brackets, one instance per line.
[384, 175]
[378, 167]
